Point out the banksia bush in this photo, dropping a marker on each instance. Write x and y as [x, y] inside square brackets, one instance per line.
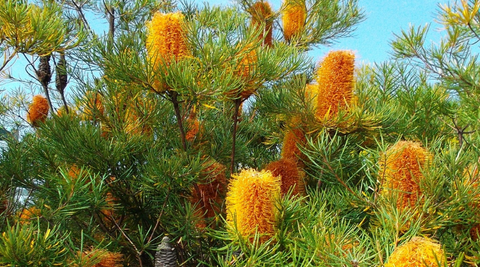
[251, 203]
[401, 172]
[209, 193]
[292, 178]
[38, 110]
[262, 15]
[166, 41]
[294, 14]
[335, 84]
[418, 251]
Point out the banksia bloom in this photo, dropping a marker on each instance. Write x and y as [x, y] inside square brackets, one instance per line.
[166, 41]
[38, 110]
[94, 107]
[262, 15]
[209, 193]
[292, 178]
[294, 14]
[193, 127]
[104, 259]
[418, 251]
[28, 214]
[251, 203]
[335, 83]
[401, 172]
[294, 137]
[311, 93]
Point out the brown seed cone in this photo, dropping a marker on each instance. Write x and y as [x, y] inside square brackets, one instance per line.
[292, 178]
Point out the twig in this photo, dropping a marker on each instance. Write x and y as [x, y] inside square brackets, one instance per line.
[238, 102]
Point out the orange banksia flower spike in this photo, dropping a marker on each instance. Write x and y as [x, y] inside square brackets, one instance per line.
[28, 214]
[294, 137]
[102, 258]
[418, 251]
[166, 41]
[262, 14]
[94, 108]
[38, 110]
[294, 14]
[292, 178]
[251, 203]
[209, 193]
[335, 83]
[401, 172]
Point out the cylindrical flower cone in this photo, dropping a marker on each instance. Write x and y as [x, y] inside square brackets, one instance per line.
[94, 108]
[262, 15]
[292, 178]
[166, 41]
[418, 251]
[294, 137]
[38, 110]
[401, 172]
[294, 15]
[209, 193]
[101, 258]
[247, 62]
[251, 203]
[335, 84]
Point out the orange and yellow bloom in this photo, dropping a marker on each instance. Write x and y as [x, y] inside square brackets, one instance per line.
[401, 172]
[251, 203]
[419, 251]
[294, 14]
[335, 84]
[38, 110]
[166, 41]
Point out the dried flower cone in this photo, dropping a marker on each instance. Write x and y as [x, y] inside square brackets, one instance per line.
[262, 15]
[166, 41]
[401, 172]
[165, 256]
[418, 251]
[294, 15]
[292, 178]
[209, 193]
[335, 83]
[251, 203]
[38, 110]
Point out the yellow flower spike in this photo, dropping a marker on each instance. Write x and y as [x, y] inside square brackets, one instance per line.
[292, 177]
[251, 203]
[262, 14]
[38, 110]
[294, 14]
[335, 83]
[419, 251]
[401, 172]
[166, 41]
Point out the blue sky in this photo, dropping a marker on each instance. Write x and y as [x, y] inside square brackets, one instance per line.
[383, 18]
